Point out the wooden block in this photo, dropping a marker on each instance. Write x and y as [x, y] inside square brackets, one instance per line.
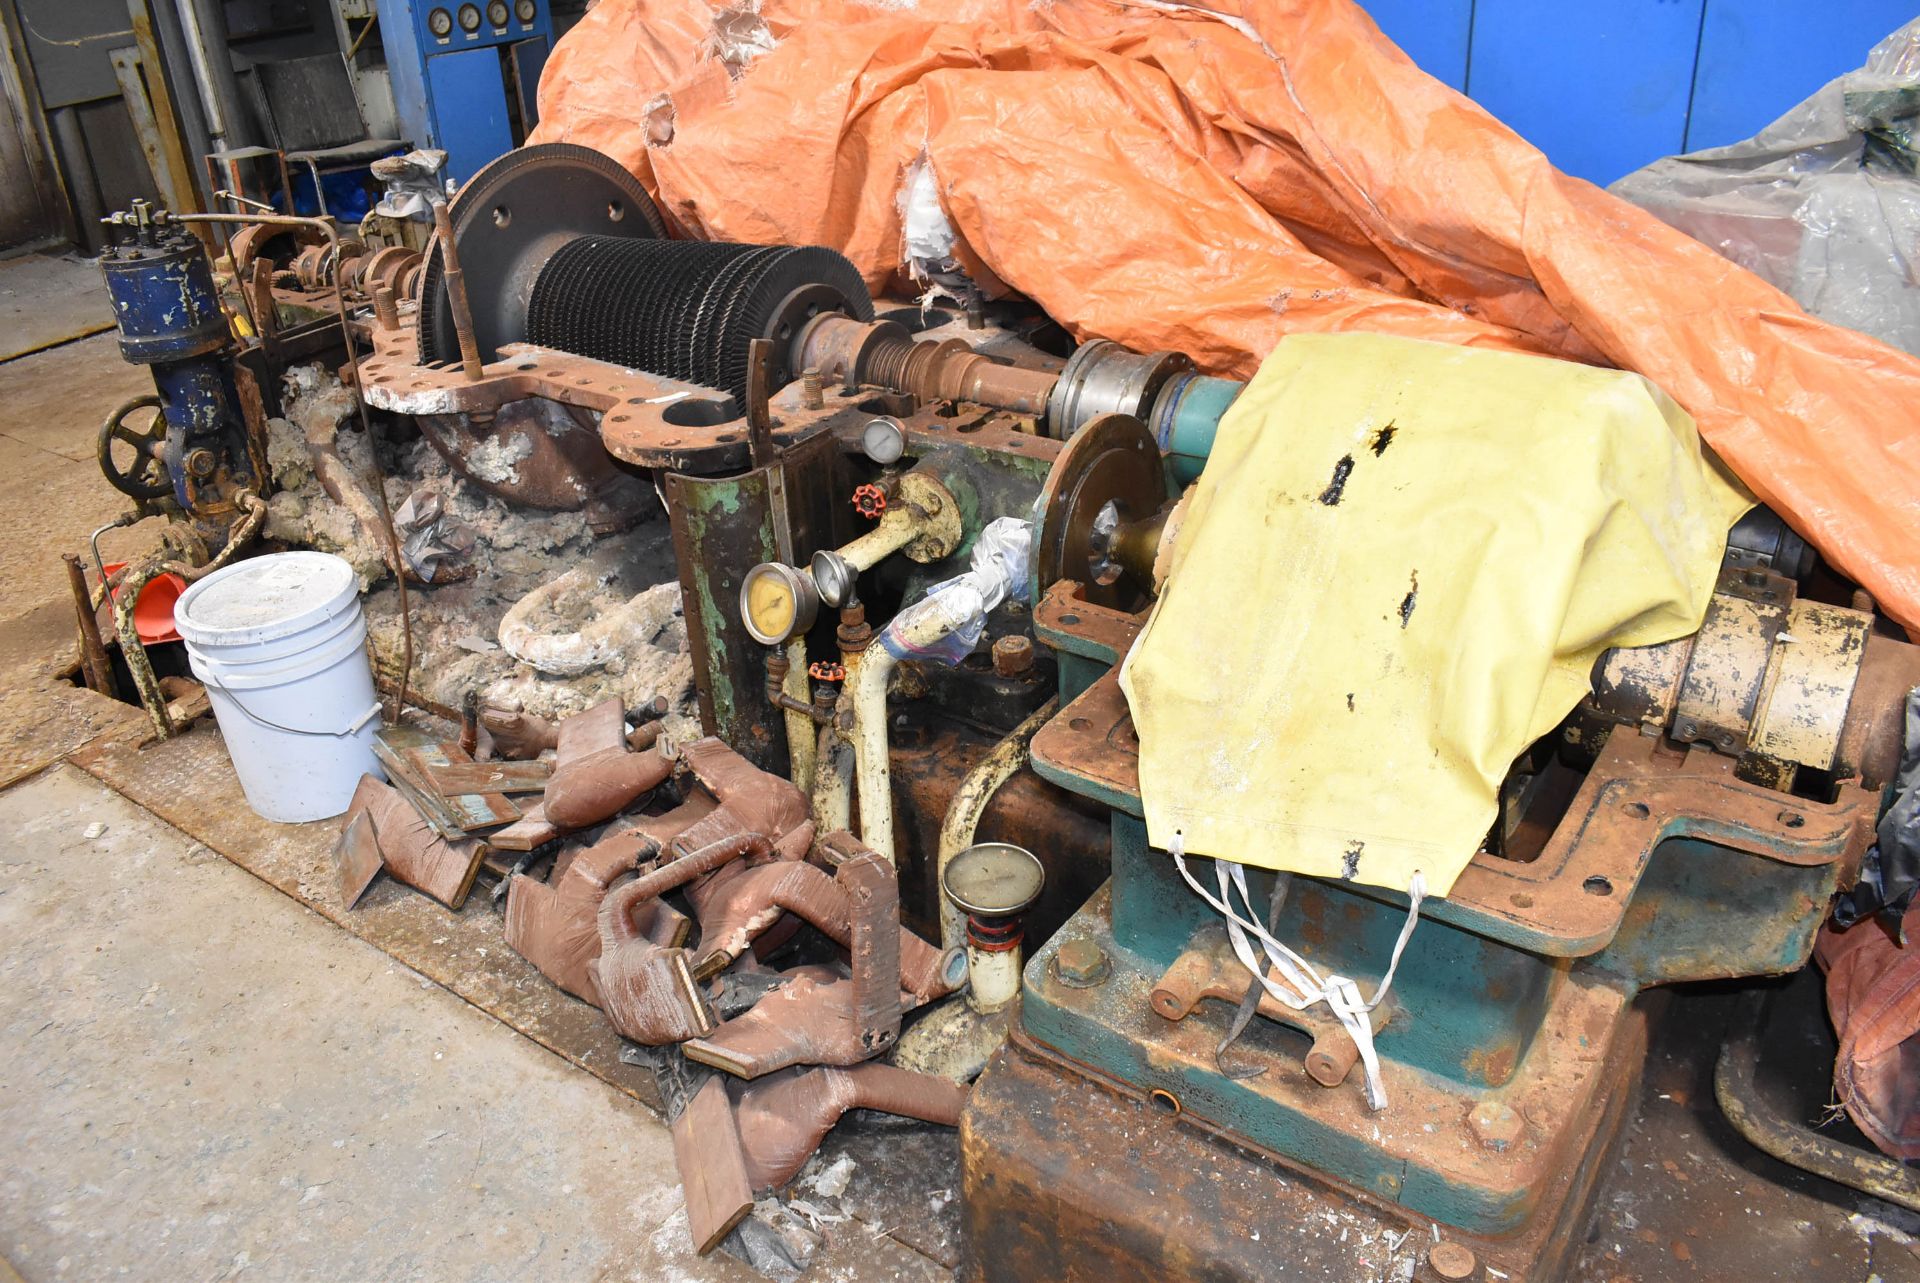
[713, 1169]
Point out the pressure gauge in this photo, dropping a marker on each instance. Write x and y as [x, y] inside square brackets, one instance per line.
[440, 23]
[526, 10]
[777, 602]
[497, 13]
[883, 440]
[469, 18]
[994, 879]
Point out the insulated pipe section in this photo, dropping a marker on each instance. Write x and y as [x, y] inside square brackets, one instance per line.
[866, 699]
[923, 521]
[969, 803]
[833, 784]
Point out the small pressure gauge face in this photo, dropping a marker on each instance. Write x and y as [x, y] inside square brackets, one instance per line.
[525, 9]
[994, 879]
[497, 13]
[776, 602]
[440, 23]
[469, 17]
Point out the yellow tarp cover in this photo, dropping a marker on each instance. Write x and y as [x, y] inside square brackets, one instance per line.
[1397, 571]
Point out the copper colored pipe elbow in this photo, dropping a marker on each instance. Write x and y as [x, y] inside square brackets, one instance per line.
[582, 794]
[783, 1119]
[648, 990]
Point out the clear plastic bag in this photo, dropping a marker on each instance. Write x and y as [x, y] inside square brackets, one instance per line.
[1824, 202]
[946, 624]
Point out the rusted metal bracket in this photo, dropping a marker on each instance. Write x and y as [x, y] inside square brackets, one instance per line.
[1209, 969]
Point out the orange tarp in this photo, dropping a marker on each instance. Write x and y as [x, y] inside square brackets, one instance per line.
[1209, 179]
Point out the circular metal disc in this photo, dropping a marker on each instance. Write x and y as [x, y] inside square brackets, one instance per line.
[507, 220]
[1114, 459]
[994, 879]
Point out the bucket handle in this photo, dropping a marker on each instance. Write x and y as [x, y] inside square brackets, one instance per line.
[353, 727]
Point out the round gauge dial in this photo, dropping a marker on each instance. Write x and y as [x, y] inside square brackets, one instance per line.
[776, 602]
[440, 22]
[994, 879]
[497, 13]
[525, 9]
[469, 17]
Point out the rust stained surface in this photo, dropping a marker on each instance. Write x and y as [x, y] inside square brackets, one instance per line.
[1040, 1148]
[1573, 895]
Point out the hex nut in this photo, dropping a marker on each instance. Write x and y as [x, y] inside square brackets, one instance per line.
[1081, 964]
[1012, 656]
[1498, 1127]
[1451, 1261]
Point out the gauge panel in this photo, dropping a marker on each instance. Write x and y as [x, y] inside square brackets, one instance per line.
[526, 11]
[497, 14]
[440, 23]
[469, 18]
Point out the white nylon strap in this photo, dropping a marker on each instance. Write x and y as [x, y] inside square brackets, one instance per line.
[1298, 985]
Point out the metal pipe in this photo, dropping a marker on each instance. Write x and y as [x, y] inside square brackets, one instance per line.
[993, 976]
[866, 694]
[802, 743]
[969, 803]
[832, 782]
[898, 527]
[204, 26]
[82, 183]
[456, 291]
[164, 21]
[94, 666]
[145, 683]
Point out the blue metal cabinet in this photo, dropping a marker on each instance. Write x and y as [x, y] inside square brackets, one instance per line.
[1434, 33]
[468, 86]
[1606, 86]
[453, 64]
[1760, 57]
[1601, 88]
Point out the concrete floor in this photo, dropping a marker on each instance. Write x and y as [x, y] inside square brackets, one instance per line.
[50, 298]
[201, 1079]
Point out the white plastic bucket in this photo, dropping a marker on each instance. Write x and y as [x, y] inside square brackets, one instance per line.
[281, 646]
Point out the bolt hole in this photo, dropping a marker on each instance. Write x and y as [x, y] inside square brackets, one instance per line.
[1080, 724]
[1165, 1101]
[1792, 819]
[1069, 619]
[528, 365]
[1638, 810]
[1597, 885]
[502, 216]
[1521, 900]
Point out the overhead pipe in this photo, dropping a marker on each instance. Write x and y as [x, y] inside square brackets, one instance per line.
[204, 25]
